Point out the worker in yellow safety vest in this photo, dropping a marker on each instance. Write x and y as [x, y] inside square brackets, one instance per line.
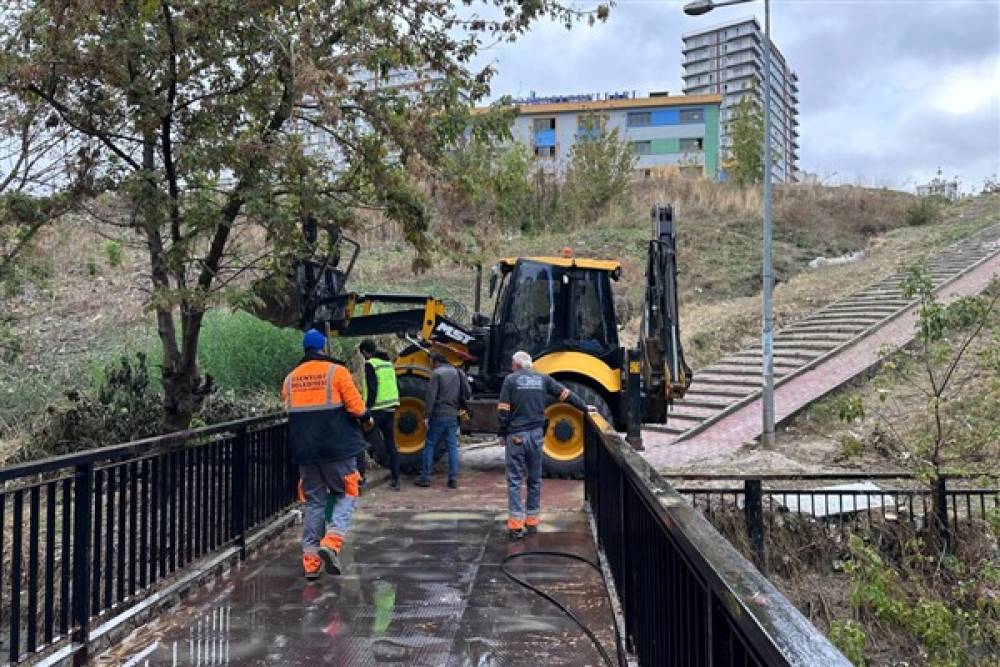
[381, 394]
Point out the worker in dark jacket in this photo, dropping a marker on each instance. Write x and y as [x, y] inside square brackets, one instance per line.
[381, 394]
[324, 408]
[447, 391]
[521, 413]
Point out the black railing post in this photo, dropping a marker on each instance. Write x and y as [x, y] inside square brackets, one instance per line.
[239, 486]
[633, 394]
[941, 527]
[753, 500]
[83, 503]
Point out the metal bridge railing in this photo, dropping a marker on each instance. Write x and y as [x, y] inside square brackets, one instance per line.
[687, 596]
[943, 508]
[86, 536]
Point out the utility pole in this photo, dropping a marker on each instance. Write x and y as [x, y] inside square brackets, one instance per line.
[697, 8]
[767, 334]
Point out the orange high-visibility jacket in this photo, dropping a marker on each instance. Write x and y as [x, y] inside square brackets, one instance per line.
[322, 401]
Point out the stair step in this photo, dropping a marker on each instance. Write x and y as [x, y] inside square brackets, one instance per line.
[728, 380]
[873, 303]
[879, 313]
[850, 329]
[838, 317]
[810, 323]
[698, 402]
[690, 411]
[780, 344]
[681, 418]
[713, 392]
[746, 362]
[874, 308]
[788, 355]
[746, 371]
[785, 334]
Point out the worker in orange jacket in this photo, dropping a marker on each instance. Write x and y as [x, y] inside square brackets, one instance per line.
[324, 410]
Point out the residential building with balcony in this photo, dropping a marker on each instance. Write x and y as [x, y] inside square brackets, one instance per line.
[727, 60]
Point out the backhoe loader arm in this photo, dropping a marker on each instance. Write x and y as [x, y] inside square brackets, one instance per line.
[665, 375]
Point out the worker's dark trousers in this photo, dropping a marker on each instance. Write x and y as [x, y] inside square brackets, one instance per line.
[384, 423]
[524, 467]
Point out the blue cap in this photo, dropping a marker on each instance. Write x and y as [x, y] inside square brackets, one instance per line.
[313, 340]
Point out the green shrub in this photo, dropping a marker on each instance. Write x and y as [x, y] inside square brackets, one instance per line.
[924, 211]
[246, 354]
[849, 638]
[113, 251]
[851, 446]
[125, 407]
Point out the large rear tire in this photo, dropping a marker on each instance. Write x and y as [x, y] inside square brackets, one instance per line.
[563, 445]
[409, 428]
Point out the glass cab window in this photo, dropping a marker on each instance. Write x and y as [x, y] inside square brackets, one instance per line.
[544, 308]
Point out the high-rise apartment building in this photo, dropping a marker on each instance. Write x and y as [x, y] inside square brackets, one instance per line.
[728, 60]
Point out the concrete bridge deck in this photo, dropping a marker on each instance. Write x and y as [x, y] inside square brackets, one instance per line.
[421, 587]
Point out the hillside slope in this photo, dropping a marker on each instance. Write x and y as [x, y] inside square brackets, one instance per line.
[78, 308]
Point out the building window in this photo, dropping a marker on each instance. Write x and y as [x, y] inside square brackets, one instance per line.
[545, 151]
[642, 147]
[692, 116]
[640, 119]
[543, 124]
[691, 145]
[590, 124]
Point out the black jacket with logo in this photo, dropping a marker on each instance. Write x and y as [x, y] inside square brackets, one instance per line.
[524, 397]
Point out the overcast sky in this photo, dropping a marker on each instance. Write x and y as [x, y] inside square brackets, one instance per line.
[889, 90]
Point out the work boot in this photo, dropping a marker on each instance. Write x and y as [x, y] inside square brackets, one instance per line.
[531, 530]
[531, 525]
[394, 485]
[452, 483]
[515, 533]
[423, 482]
[329, 553]
[311, 566]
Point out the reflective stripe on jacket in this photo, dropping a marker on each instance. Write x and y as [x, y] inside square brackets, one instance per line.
[322, 403]
[386, 389]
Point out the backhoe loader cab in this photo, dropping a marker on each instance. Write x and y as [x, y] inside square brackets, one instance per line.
[548, 305]
[561, 311]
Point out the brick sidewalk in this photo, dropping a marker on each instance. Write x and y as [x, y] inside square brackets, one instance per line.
[744, 424]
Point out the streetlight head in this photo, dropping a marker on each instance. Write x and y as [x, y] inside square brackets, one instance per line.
[698, 7]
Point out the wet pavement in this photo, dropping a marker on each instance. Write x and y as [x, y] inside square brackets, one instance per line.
[420, 587]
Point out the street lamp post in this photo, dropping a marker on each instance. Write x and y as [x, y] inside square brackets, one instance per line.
[697, 8]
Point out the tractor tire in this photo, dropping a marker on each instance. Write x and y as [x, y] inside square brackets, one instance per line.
[563, 445]
[409, 428]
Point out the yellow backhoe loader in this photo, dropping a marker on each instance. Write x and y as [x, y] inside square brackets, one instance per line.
[559, 309]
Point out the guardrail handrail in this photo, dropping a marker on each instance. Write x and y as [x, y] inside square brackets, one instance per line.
[734, 612]
[127, 449]
[92, 534]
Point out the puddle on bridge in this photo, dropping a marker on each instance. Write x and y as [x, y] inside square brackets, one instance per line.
[420, 587]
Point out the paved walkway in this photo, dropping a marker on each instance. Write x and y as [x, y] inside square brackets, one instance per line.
[791, 396]
[420, 587]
